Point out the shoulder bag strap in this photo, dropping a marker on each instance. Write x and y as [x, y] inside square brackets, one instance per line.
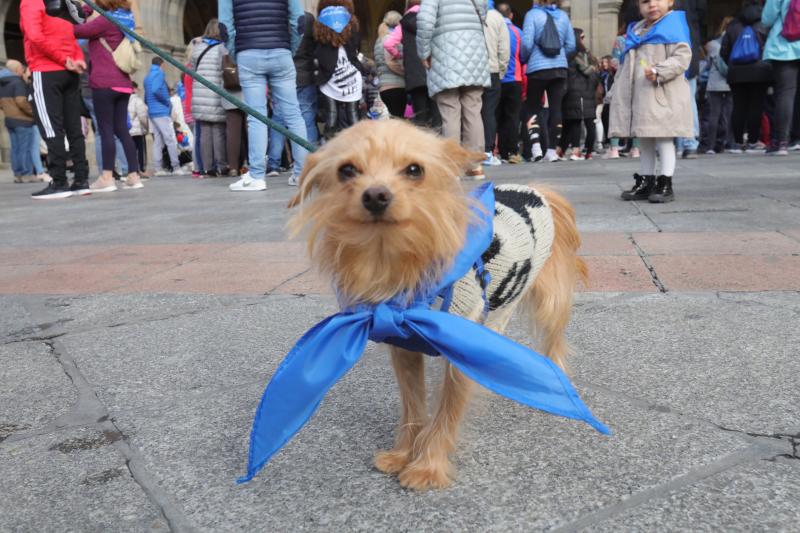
[203, 53]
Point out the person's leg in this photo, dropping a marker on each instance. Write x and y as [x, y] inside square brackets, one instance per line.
[35, 153]
[794, 135]
[420, 102]
[348, 114]
[509, 118]
[714, 111]
[450, 108]
[172, 146]
[98, 150]
[20, 138]
[282, 77]
[786, 73]
[667, 155]
[489, 102]
[571, 135]
[104, 109]
[197, 150]
[691, 143]
[756, 98]
[233, 137]
[207, 145]
[647, 161]
[395, 100]
[122, 133]
[307, 98]
[74, 130]
[591, 135]
[473, 137]
[139, 141]
[556, 90]
[220, 150]
[119, 150]
[159, 142]
[739, 113]
[724, 127]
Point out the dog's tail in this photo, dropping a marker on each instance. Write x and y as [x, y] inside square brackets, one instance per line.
[549, 300]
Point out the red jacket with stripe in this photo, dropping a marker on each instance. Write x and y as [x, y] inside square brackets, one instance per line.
[49, 41]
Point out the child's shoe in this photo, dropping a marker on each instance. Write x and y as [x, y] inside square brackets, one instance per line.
[634, 153]
[641, 189]
[662, 192]
[612, 153]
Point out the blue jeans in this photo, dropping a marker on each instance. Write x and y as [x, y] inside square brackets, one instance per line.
[691, 143]
[257, 69]
[36, 153]
[121, 162]
[307, 98]
[21, 138]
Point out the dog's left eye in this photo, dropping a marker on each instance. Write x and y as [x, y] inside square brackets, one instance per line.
[347, 172]
[414, 171]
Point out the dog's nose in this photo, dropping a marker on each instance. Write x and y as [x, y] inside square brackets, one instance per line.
[376, 199]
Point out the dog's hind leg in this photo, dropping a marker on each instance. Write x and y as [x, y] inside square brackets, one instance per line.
[409, 369]
[431, 466]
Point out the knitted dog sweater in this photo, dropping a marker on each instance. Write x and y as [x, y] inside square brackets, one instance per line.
[521, 243]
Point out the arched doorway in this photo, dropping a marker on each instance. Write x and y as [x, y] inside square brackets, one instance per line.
[12, 34]
[195, 17]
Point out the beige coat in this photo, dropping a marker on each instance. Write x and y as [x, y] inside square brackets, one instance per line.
[642, 108]
[498, 42]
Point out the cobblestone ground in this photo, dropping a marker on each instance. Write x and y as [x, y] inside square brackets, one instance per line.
[138, 329]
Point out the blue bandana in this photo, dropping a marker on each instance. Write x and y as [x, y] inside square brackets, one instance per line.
[330, 349]
[124, 17]
[671, 29]
[335, 17]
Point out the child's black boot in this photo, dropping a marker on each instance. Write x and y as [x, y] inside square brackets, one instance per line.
[662, 192]
[642, 188]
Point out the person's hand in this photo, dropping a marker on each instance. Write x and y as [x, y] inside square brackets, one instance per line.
[651, 74]
[77, 66]
[427, 63]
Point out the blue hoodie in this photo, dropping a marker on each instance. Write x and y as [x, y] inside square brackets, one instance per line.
[156, 93]
[532, 32]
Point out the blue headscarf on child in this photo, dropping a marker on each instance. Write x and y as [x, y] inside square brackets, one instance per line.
[671, 29]
[335, 17]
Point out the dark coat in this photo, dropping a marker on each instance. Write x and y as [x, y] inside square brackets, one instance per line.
[416, 75]
[580, 102]
[327, 56]
[696, 14]
[304, 57]
[261, 24]
[758, 72]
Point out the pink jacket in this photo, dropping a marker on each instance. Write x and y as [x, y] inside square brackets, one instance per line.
[395, 39]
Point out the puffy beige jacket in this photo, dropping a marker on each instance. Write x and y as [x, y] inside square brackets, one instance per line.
[498, 42]
[642, 108]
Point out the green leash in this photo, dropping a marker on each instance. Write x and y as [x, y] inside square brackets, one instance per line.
[219, 90]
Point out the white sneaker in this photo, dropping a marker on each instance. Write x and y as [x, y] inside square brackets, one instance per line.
[576, 157]
[491, 160]
[292, 181]
[247, 183]
[551, 156]
[536, 152]
[273, 174]
[161, 173]
[181, 172]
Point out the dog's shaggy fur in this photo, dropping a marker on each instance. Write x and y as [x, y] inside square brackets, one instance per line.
[375, 254]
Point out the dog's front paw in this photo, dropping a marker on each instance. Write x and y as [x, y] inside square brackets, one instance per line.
[392, 461]
[426, 475]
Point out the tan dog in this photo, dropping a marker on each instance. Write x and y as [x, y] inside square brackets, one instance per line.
[385, 214]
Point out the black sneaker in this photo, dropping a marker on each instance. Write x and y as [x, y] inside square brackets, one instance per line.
[690, 154]
[53, 191]
[80, 188]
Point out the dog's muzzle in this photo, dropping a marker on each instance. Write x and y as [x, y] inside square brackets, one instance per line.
[376, 199]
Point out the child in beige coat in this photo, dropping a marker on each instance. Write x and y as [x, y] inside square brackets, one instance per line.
[651, 99]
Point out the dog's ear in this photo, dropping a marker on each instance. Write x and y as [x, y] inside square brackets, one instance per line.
[304, 182]
[460, 158]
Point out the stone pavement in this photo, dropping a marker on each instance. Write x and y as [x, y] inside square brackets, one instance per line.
[139, 328]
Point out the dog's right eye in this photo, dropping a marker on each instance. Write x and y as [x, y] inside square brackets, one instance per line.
[347, 172]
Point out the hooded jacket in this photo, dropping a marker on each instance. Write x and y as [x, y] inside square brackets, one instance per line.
[758, 72]
[777, 47]
[48, 40]
[514, 71]
[14, 100]
[156, 93]
[580, 101]
[532, 33]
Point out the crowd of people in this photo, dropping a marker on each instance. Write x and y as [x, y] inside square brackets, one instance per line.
[516, 86]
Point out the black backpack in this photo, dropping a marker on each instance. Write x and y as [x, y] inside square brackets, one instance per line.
[550, 42]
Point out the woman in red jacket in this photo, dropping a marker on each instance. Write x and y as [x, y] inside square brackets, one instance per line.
[111, 90]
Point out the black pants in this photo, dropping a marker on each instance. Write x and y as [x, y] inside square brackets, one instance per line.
[719, 106]
[491, 99]
[57, 105]
[508, 119]
[338, 115]
[395, 100]
[573, 134]
[111, 108]
[786, 75]
[426, 114]
[236, 137]
[748, 105]
[555, 88]
[140, 141]
[606, 118]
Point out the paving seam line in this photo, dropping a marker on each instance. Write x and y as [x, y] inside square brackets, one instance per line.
[650, 268]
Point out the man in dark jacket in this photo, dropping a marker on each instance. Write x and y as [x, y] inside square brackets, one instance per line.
[19, 120]
[696, 12]
[261, 36]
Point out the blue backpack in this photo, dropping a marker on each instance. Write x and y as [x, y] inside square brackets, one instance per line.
[747, 48]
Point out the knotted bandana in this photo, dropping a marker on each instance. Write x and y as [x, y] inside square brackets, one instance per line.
[671, 29]
[328, 350]
[335, 17]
